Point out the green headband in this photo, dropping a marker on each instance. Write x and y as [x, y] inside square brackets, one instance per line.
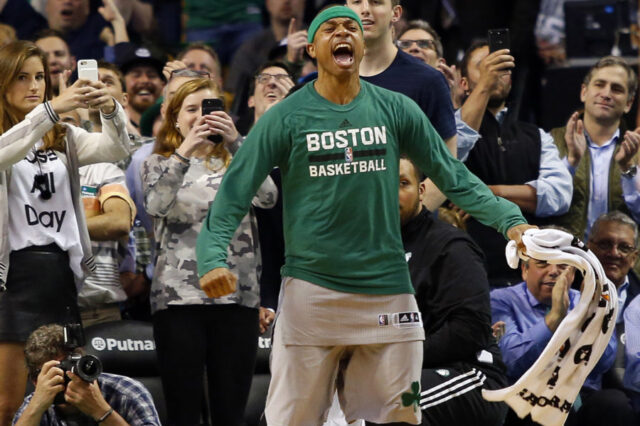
[330, 13]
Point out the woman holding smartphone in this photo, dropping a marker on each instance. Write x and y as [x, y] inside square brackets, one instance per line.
[45, 250]
[191, 330]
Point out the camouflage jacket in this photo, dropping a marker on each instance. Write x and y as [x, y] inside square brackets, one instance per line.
[178, 196]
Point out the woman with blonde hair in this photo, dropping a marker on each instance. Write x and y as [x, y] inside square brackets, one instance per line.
[191, 330]
[45, 250]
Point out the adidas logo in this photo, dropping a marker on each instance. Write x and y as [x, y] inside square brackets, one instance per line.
[345, 123]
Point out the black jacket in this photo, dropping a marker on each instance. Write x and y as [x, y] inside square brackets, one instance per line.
[452, 291]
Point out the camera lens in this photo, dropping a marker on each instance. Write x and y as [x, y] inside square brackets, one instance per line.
[89, 368]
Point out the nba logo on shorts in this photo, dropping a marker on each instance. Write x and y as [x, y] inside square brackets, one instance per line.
[383, 319]
[348, 154]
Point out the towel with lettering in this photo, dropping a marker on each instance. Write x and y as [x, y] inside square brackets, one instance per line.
[549, 388]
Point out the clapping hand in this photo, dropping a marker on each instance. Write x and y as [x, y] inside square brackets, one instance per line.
[575, 139]
[628, 149]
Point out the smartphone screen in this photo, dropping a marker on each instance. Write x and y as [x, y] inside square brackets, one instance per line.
[498, 39]
[88, 69]
[210, 105]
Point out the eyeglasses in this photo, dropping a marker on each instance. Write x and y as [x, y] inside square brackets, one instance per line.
[183, 72]
[606, 245]
[264, 78]
[422, 44]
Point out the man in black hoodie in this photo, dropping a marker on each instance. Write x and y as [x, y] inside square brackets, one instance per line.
[460, 353]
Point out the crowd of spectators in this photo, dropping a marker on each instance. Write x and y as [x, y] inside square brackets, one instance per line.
[138, 173]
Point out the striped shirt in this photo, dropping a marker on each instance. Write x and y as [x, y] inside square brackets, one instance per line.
[99, 182]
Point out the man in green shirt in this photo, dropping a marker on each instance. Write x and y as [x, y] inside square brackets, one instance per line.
[347, 308]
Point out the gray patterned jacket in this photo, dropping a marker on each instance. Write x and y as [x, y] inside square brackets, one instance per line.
[178, 196]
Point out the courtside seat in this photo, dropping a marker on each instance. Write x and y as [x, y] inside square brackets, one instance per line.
[127, 348]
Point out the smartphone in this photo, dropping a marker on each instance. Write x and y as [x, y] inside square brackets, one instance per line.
[210, 105]
[498, 39]
[88, 69]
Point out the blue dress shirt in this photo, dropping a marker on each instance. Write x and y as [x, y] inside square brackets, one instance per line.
[623, 290]
[632, 350]
[526, 333]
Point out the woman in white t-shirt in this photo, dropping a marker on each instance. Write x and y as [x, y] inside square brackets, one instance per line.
[45, 248]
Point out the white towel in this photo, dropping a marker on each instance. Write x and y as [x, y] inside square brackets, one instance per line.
[548, 389]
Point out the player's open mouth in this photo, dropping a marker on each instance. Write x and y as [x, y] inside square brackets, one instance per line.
[343, 54]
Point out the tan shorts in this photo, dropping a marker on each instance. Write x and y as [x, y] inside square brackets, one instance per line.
[367, 347]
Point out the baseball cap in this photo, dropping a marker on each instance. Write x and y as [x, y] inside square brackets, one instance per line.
[130, 55]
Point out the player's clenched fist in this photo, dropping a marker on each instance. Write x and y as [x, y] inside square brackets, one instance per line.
[218, 282]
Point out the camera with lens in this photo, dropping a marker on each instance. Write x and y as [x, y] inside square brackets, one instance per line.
[87, 367]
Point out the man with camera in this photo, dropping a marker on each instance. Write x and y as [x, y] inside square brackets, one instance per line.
[62, 395]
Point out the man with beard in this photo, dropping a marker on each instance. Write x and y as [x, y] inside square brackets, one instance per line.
[517, 160]
[60, 59]
[347, 306]
[143, 79]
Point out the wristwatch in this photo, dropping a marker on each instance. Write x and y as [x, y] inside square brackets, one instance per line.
[630, 172]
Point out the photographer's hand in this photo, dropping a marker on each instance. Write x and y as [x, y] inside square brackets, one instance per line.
[88, 398]
[49, 383]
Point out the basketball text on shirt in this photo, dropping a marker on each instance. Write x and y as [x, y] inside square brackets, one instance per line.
[364, 142]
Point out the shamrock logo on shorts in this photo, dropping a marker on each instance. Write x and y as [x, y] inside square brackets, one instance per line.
[412, 397]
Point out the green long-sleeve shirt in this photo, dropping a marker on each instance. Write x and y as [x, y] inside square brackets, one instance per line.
[340, 180]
